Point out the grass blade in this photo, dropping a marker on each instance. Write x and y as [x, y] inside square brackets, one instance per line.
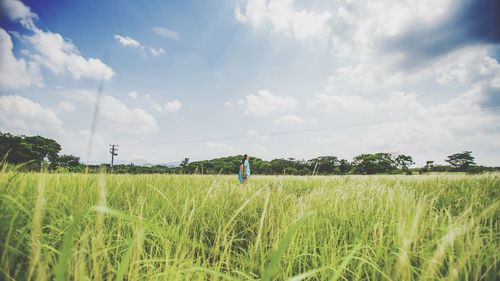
[65, 250]
[125, 261]
[275, 259]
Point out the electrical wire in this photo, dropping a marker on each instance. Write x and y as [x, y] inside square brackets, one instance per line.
[279, 133]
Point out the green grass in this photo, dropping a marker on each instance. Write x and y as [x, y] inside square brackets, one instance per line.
[171, 227]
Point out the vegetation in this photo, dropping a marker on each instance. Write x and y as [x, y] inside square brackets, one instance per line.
[35, 151]
[68, 226]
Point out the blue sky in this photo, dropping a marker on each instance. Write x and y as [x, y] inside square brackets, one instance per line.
[340, 77]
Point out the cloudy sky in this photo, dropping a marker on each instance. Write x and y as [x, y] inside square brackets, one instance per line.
[272, 78]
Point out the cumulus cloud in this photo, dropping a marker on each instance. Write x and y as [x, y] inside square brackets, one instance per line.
[265, 103]
[16, 10]
[156, 51]
[169, 107]
[61, 56]
[125, 119]
[328, 103]
[469, 22]
[67, 106]
[157, 107]
[131, 42]
[133, 94]
[127, 41]
[289, 120]
[472, 67]
[53, 51]
[284, 18]
[165, 32]
[114, 114]
[136, 95]
[24, 116]
[173, 106]
[16, 73]
[403, 124]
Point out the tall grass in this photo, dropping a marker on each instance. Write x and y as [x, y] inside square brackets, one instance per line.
[171, 227]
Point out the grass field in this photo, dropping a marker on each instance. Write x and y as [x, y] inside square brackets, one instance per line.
[175, 227]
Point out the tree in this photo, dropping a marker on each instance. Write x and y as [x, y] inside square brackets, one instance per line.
[66, 161]
[325, 164]
[23, 149]
[429, 165]
[461, 161]
[404, 161]
[344, 166]
[185, 166]
[14, 150]
[373, 163]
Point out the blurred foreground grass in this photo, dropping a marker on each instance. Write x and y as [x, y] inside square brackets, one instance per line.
[188, 227]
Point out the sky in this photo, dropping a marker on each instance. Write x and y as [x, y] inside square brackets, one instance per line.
[271, 78]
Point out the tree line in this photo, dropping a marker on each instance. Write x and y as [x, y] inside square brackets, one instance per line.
[34, 153]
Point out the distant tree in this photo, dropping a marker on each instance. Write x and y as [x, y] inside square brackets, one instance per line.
[344, 166]
[279, 166]
[66, 161]
[373, 163]
[14, 150]
[43, 148]
[324, 164]
[404, 161]
[429, 165]
[23, 149]
[461, 161]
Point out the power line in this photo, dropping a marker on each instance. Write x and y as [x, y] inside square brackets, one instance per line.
[278, 133]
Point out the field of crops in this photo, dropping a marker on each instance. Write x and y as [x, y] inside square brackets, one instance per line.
[175, 227]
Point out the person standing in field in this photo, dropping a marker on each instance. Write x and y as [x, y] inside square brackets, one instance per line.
[241, 171]
[246, 166]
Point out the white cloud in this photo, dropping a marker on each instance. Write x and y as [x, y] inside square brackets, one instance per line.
[156, 51]
[284, 18]
[16, 10]
[131, 42]
[169, 107]
[67, 106]
[136, 95]
[61, 56]
[16, 73]
[165, 32]
[289, 120]
[398, 105]
[133, 94]
[329, 103]
[115, 115]
[157, 107]
[403, 124]
[265, 103]
[359, 26]
[173, 106]
[125, 119]
[469, 66]
[52, 50]
[24, 116]
[127, 41]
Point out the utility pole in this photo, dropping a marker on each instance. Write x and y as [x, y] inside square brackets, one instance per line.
[114, 152]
